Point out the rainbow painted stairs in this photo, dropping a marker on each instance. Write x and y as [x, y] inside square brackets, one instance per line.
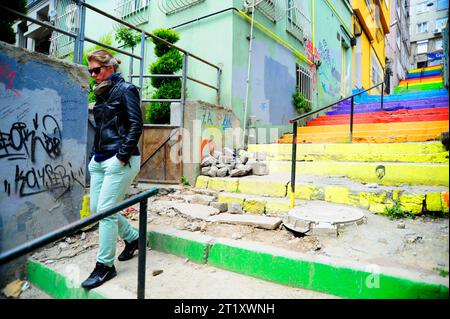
[396, 156]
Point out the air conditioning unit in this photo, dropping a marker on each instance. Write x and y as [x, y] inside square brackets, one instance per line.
[437, 31]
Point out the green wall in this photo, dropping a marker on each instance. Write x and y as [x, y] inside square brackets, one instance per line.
[222, 39]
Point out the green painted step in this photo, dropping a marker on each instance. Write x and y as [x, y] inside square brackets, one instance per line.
[348, 279]
[427, 152]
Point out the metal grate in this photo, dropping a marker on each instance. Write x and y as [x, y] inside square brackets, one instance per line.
[298, 24]
[66, 18]
[272, 9]
[173, 6]
[304, 82]
[133, 11]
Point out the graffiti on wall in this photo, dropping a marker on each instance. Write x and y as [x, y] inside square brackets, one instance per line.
[216, 119]
[313, 55]
[7, 78]
[329, 74]
[21, 144]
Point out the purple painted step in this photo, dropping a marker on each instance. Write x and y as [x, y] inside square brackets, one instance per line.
[344, 108]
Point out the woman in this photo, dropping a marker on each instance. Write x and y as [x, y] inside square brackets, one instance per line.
[116, 160]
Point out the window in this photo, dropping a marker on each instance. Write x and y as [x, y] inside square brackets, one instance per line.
[377, 71]
[304, 82]
[399, 40]
[442, 4]
[440, 23]
[422, 7]
[397, 6]
[438, 45]
[422, 47]
[422, 27]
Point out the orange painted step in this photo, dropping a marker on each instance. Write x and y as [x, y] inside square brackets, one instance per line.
[375, 132]
[413, 126]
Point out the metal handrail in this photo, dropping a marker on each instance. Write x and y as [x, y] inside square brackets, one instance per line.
[295, 120]
[300, 117]
[78, 225]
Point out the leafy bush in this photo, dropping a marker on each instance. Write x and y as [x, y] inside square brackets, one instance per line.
[127, 37]
[300, 103]
[169, 35]
[169, 61]
[159, 112]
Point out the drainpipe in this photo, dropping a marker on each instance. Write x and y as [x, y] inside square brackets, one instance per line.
[248, 75]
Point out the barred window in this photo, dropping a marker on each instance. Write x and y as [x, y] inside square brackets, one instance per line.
[304, 82]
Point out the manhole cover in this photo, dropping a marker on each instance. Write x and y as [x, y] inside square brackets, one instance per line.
[322, 217]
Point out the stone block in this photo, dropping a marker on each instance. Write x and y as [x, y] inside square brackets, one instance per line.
[222, 207]
[262, 187]
[223, 184]
[338, 195]
[202, 182]
[255, 206]
[434, 202]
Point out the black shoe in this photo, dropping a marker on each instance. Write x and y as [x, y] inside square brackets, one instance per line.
[100, 274]
[130, 248]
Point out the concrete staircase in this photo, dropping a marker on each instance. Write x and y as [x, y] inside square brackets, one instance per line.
[395, 156]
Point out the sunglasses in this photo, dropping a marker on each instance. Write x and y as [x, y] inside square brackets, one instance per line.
[96, 70]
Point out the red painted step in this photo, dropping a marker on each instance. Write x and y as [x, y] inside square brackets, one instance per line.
[436, 114]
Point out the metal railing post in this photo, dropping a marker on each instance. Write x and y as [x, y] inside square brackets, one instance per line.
[294, 162]
[382, 95]
[352, 106]
[142, 248]
[183, 87]
[78, 56]
[219, 81]
[141, 65]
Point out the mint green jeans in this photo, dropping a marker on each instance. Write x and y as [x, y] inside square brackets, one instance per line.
[109, 184]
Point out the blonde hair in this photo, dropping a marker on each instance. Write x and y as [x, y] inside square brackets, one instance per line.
[104, 58]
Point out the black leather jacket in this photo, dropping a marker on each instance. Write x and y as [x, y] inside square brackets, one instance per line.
[118, 119]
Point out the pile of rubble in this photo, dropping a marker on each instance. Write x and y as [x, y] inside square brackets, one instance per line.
[234, 164]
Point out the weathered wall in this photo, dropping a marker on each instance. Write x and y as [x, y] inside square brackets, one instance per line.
[43, 132]
[208, 128]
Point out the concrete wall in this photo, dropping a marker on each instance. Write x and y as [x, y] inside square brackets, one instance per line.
[208, 128]
[43, 131]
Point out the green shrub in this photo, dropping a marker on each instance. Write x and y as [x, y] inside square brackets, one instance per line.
[159, 112]
[172, 60]
[300, 103]
[169, 35]
[396, 211]
[127, 37]
[169, 61]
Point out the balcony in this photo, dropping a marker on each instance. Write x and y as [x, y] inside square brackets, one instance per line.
[133, 11]
[173, 6]
[298, 24]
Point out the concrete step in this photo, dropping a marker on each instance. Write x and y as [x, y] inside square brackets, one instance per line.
[183, 276]
[276, 190]
[216, 267]
[427, 152]
[383, 173]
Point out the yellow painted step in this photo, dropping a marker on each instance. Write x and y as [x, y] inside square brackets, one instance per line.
[431, 152]
[412, 199]
[383, 173]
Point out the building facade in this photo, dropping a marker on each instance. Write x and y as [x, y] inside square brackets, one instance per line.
[291, 48]
[398, 47]
[428, 19]
[371, 25]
